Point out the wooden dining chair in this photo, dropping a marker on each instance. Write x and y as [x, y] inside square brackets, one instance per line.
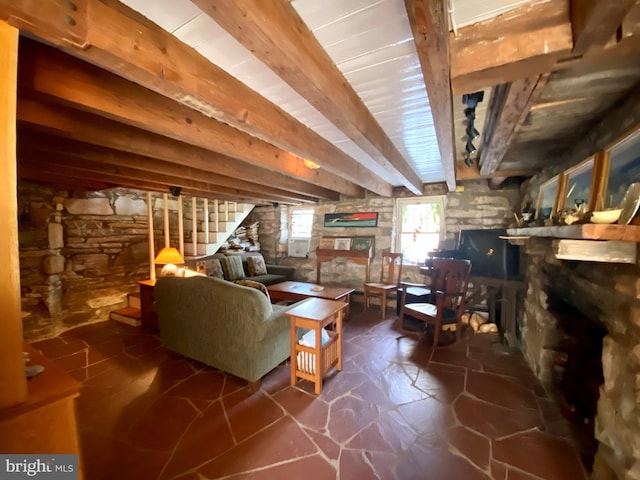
[390, 273]
[449, 283]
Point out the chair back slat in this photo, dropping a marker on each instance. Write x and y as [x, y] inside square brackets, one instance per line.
[451, 277]
[391, 268]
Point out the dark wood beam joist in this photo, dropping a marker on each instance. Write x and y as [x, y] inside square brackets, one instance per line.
[506, 115]
[39, 145]
[36, 114]
[97, 91]
[594, 22]
[538, 38]
[275, 33]
[114, 37]
[428, 20]
[131, 177]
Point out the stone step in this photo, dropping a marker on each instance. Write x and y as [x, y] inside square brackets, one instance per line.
[129, 315]
[133, 300]
[202, 249]
[214, 237]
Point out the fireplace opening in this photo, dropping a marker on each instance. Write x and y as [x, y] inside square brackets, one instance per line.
[577, 372]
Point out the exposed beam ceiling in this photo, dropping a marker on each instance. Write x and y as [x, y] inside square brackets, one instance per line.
[141, 98]
[274, 32]
[429, 26]
[508, 114]
[66, 122]
[118, 39]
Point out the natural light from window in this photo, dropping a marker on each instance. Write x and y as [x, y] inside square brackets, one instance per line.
[420, 226]
[301, 223]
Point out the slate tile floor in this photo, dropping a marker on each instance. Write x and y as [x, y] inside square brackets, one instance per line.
[398, 410]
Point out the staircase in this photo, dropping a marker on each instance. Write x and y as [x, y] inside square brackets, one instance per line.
[222, 220]
[229, 216]
[131, 314]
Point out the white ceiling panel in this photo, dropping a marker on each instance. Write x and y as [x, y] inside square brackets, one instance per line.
[468, 12]
[380, 64]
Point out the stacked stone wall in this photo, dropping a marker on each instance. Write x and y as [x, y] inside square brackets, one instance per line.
[81, 253]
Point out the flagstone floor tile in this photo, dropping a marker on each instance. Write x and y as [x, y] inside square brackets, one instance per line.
[399, 410]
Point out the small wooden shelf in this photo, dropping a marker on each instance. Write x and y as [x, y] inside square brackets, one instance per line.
[587, 231]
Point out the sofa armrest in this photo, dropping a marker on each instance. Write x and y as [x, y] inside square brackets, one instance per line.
[285, 270]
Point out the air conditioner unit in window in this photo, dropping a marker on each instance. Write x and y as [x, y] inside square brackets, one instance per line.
[298, 247]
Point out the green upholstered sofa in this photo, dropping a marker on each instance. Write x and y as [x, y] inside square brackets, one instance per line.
[273, 274]
[227, 326]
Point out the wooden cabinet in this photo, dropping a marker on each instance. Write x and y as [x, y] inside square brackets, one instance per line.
[149, 316]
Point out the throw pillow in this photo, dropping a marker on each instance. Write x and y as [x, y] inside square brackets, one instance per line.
[210, 267]
[256, 265]
[256, 285]
[232, 268]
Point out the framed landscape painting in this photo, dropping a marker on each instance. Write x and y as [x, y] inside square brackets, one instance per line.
[547, 204]
[622, 168]
[362, 219]
[582, 185]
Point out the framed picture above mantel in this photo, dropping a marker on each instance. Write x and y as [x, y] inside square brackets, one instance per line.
[622, 168]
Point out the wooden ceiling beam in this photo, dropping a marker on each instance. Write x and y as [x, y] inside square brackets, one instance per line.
[132, 177]
[66, 122]
[114, 37]
[538, 30]
[32, 144]
[95, 90]
[428, 20]
[594, 22]
[463, 172]
[531, 40]
[274, 32]
[506, 115]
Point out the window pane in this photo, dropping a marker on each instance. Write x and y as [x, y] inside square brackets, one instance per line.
[416, 246]
[301, 223]
[419, 224]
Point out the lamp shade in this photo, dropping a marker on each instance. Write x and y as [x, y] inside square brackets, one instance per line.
[169, 255]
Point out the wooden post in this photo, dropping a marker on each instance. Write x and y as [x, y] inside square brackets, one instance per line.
[194, 227]
[216, 207]
[180, 227]
[152, 250]
[12, 378]
[167, 242]
[205, 216]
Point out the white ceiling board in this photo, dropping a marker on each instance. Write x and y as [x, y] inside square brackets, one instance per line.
[468, 12]
[383, 68]
[168, 14]
[371, 43]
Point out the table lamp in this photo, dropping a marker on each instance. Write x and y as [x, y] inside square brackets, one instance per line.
[169, 258]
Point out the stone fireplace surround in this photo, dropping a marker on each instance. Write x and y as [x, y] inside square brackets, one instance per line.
[610, 295]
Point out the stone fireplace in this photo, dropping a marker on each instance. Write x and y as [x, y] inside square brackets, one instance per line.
[563, 300]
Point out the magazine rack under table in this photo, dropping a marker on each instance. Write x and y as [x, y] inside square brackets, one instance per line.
[313, 363]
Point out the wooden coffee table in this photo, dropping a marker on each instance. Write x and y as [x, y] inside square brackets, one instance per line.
[296, 291]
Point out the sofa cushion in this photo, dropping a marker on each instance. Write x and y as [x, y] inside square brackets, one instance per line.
[211, 267]
[232, 268]
[256, 265]
[252, 284]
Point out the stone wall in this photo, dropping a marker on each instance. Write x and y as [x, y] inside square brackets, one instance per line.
[476, 206]
[80, 254]
[608, 293]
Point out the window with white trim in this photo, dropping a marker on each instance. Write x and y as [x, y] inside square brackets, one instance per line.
[420, 226]
[301, 223]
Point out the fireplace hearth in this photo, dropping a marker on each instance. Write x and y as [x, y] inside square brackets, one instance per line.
[580, 332]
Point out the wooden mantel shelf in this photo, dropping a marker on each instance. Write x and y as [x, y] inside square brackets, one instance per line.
[587, 231]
